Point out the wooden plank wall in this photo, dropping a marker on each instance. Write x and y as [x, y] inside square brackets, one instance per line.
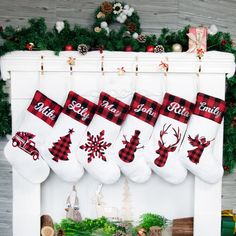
[154, 15]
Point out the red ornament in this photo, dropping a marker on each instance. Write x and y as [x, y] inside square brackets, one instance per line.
[29, 46]
[226, 168]
[69, 47]
[223, 42]
[129, 48]
[150, 48]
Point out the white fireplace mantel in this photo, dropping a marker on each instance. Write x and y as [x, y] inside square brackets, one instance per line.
[29, 70]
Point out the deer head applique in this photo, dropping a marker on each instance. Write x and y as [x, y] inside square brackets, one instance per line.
[163, 150]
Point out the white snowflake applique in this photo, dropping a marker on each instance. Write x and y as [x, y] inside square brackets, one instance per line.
[95, 146]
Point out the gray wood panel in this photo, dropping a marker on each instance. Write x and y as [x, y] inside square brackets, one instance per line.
[154, 15]
[5, 194]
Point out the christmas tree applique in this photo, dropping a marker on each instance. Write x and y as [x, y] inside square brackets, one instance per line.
[95, 146]
[61, 148]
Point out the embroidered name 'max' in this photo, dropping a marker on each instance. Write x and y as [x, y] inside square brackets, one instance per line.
[111, 108]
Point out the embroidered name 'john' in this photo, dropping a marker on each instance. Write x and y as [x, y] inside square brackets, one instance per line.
[79, 109]
[180, 110]
[111, 108]
[213, 110]
[45, 110]
[142, 108]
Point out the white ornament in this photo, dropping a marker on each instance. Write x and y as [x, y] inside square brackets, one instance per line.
[135, 35]
[60, 26]
[123, 17]
[212, 30]
[125, 12]
[104, 24]
[126, 7]
[130, 12]
[118, 18]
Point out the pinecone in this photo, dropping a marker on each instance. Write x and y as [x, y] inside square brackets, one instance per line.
[82, 49]
[142, 38]
[106, 7]
[60, 233]
[132, 27]
[159, 49]
[233, 123]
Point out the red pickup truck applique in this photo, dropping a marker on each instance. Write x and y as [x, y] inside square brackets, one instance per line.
[23, 141]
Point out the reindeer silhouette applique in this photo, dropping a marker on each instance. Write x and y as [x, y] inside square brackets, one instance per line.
[163, 151]
[201, 143]
[126, 154]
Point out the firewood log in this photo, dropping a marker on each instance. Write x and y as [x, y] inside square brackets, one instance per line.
[47, 227]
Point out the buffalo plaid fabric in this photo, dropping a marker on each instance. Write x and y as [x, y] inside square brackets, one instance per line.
[144, 109]
[199, 146]
[79, 108]
[44, 108]
[194, 155]
[210, 107]
[176, 108]
[112, 109]
[162, 158]
[61, 148]
[126, 154]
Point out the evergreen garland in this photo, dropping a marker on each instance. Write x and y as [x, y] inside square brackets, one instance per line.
[104, 227]
[42, 38]
[5, 118]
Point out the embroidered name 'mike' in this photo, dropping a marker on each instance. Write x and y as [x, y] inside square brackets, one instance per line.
[149, 111]
[180, 110]
[79, 109]
[45, 110]
[213, 110]
[110, 107]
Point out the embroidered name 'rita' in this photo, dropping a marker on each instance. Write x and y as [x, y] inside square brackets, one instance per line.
[111, 108]
[213, 110]
[178, 109]
[45, 110]
[79, 109]
[142, 108]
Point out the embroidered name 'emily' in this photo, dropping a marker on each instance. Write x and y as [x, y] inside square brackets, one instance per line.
[45, 110]
[213, 110]
[141, 108]
[180, 110]
[111, 108]
[79, 109]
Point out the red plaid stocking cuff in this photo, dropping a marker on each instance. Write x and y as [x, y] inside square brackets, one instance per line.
[144, 109]
[44, 108]
[176, 108]
[79, 108]
[210, 107]
[112, 109]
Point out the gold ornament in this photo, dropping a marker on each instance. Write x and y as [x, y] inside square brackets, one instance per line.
[97, 29]
[177, 47]
[101, 15]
